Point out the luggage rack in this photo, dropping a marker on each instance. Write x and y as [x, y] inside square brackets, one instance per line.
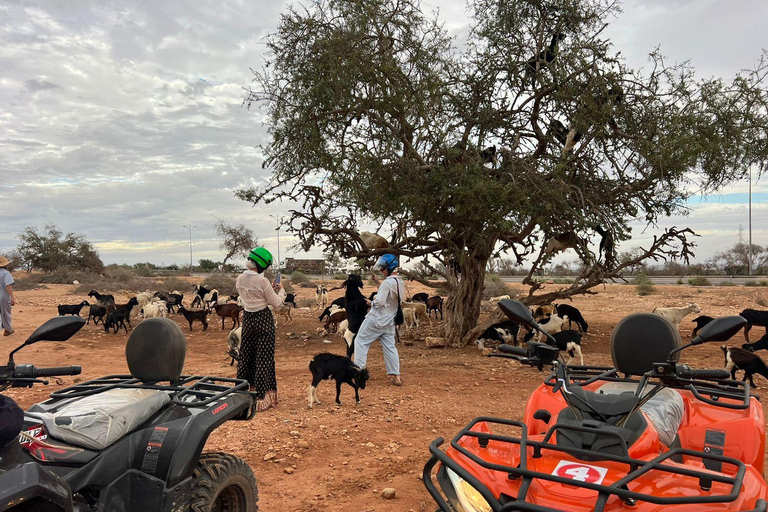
[620, 488]
[189, 390]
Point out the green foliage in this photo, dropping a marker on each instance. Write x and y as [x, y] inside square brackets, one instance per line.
[223, 283]
[340, 276]
[756, 283]
[643, 284]
[52, 250]
[208, 265]
[236, 240]
[298, 278]
[726, 283]
[699, 281]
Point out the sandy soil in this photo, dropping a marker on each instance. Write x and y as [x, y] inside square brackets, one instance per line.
[340, 458]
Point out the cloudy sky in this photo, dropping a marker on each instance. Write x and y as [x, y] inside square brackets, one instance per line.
[123, 121]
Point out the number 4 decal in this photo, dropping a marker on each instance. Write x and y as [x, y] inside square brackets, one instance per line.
[580, 472]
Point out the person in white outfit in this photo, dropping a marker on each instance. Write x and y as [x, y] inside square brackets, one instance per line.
[379, 323]
[6, 297]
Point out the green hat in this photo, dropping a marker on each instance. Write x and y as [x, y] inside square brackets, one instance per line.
[260, 256]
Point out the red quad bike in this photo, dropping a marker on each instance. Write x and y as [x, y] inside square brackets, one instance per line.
[130, 443]
[649, 434]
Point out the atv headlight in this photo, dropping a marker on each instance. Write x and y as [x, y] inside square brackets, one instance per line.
[470, 498]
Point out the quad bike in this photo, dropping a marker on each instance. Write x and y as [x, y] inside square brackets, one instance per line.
[648, 434]
[126, 442]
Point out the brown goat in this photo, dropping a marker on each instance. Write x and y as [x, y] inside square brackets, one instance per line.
[228, 311]
[332, 324]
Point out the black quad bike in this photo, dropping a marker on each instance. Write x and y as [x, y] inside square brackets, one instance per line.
[647, 435]
[126, 442]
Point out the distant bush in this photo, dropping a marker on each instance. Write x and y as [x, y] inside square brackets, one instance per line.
[726, 283]
[306, 302]
[761, 302]
[221, 282]
[643, 285]
[699, 281]
[26, 283]
[756, 283]
[307, 284]
[170, 284]
[562, 281]
[341, 277]
[298, 278]
[494, 287]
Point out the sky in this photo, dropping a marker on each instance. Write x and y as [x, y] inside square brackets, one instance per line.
[123, 121]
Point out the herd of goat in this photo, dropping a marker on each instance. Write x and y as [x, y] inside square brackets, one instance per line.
[345, 314]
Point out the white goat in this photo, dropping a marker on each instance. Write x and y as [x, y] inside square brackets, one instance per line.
[496, 299]
[420, 310]
[676, 315]
[321, 296]
[555, 324]
[155, 309]
[409, 318]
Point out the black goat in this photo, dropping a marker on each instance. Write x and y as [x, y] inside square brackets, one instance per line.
[290, 298]
[356, 309]
[573, 314]
[117, 316]
[71, 309]
[544, 57]
[558, 131]
[740, 359]
[342, 369]
[700, 322]
[195, 314]
[435, 304]
[171, 299]
[502, 332]
[570, 341]
[420, 297]
[754, 317]
[341, 302]
[104, 300]
[761, 344]
[97, 312]
[372, 295]
[607, 246]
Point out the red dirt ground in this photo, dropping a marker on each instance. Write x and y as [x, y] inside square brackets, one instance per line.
[340, 458]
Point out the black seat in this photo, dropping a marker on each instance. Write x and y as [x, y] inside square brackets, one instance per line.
[642, 339]
[156, 350]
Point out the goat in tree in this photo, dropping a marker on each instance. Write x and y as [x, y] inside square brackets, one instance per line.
[544, 58]
[607, 248]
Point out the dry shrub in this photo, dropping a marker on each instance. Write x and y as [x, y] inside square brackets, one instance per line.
[494, 287]
[221, 282]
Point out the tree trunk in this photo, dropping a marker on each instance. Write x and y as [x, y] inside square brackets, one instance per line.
[463, 307]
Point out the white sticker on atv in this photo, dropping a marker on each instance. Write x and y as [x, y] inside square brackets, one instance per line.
[580, 472]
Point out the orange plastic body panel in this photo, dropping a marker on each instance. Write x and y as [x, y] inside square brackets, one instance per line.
[743, 430]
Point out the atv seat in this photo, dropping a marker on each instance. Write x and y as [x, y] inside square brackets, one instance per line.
[641, 339]
[155, 351]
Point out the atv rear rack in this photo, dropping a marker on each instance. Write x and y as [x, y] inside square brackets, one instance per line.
[620, 488]
[189, 390]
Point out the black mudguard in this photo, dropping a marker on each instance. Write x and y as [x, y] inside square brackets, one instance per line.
[29, 486]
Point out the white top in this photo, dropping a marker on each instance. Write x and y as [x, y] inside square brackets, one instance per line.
[256, 292]
[5, 280]
[384, 306]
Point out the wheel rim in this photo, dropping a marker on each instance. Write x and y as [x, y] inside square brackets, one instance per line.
[230, 499]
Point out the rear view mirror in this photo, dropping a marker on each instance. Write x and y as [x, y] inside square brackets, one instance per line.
[720, 329]
[517, 311]
[60, 328]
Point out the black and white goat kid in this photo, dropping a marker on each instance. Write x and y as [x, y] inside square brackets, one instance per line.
[342, 369]
[740, 359]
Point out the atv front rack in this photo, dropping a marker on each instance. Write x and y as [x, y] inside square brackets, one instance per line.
[188, 391]
[635, 469]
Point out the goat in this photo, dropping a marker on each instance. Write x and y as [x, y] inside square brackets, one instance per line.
[171, 299]
[342, 369]
[409, 318]
[374, 241]
[676, 315]
[552, 325]
[144, 298]
[71, 309]
[761, 344]
[207, 300]
[435, 304]
[573, 314]
[228, 311]
[119, 315]
[336, 305]
[420, 297]
[420, 310]
[740, 359]
[291, 299]
[502, 332]
[754, 317]
[558, 131]
[356, 307]
[97, 312]
[284, 310]
[321, 296]
[545, 57]
[500, 297]
[562, 242]
[195, 314]
[700, 322]
[155, 309]
[543, 312]
[372, 295]
[332, 324]
[233, 342]
[104, 300]
[570, 341]
[607, 245]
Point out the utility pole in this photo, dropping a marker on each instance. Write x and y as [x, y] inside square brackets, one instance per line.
[749, 248]
[190, 245]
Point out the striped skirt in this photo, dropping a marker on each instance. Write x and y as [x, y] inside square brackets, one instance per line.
[257, 357]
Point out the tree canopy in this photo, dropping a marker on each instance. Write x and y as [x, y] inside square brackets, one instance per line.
[533, 138]
[236, 240]
[52, 250]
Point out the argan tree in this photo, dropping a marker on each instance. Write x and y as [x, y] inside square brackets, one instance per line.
[534, 137]
[236, 240]
[51, 250]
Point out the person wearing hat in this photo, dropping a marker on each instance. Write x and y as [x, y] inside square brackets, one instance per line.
[379, 323]
[6, 296]
[257, 346]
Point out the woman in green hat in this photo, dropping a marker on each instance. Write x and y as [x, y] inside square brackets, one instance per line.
[257, 348]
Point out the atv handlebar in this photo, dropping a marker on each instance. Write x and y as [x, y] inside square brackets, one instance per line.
[685, 372]
[30, 371]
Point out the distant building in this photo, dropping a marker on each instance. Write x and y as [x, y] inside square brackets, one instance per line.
[305, 266]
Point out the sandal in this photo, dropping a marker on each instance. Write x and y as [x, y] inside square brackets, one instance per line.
[8, 332]
[396, 381]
